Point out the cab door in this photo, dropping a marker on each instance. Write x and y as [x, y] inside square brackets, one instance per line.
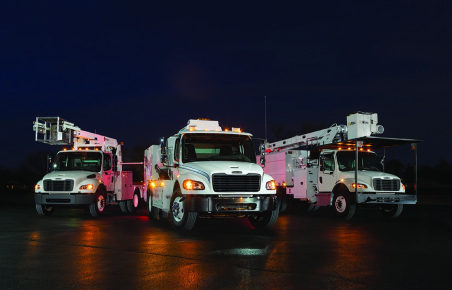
[108, 174]
[327, 172]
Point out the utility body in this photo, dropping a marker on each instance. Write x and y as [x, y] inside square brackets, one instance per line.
[338, 167]
[88, 172]
[205, 171]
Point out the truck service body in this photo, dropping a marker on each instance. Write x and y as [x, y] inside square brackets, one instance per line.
[320, 168]
[88, 174]
[205, 171]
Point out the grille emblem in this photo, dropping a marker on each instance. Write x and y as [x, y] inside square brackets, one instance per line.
[237, 172]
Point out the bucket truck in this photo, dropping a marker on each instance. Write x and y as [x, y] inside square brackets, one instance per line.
[87, 172]
[205, 171]
[338, 167]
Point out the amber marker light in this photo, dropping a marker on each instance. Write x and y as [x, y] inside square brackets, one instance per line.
[38, 187]
[152, 184]
[162, 183]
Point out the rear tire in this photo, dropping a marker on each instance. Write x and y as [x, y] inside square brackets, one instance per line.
[123, 206]
[265, 219]
[132, 204]
[180, 219]
[343, 206]
[97, 208]
[391, 210]
[44, 210]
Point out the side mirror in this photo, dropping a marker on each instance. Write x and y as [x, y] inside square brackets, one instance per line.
[115, 163]
[262, 153]
[163, 155]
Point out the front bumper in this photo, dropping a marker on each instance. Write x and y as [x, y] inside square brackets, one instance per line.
[387, 198]
[224, 205]
[65, 199]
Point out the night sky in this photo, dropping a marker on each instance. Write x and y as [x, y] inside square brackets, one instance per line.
[138, 70]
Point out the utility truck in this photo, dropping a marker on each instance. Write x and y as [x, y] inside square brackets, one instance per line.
[338, 167]
[205, 171]
[86, 172]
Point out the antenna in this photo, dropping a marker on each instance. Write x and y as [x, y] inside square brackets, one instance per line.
[265, 114]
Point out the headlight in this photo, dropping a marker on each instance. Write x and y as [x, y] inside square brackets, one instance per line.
[192, 185]
[87, 187]
[39, 187]
[359, 185]
[271, 185]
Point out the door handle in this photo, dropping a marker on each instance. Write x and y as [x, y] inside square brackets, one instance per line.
[320, 179]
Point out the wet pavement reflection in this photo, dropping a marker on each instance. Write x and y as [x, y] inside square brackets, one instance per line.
[71, 250]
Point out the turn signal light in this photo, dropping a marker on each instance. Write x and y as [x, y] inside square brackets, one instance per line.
[39, 187]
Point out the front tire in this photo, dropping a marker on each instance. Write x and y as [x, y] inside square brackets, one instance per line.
[44, 210]
[178, 217]
[265, 219]
[343, 206]
[153, 212]
[391, 210]
[97, 208]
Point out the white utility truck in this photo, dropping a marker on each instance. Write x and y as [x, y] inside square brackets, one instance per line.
[321, 168]
[88, 173]
[205, 171]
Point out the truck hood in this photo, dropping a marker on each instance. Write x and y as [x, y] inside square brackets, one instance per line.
[207, 168]
[367, 176]
[76, 175]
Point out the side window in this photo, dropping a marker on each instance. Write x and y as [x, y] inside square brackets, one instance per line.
[329, 161]
[176, 150]
[107, 162]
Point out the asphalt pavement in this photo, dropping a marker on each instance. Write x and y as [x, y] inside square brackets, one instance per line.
[304, 250]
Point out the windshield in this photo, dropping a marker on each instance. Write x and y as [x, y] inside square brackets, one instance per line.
[218, 147]
[88, 161]
[366, 161]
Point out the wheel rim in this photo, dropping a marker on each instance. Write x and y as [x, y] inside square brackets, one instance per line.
[135, 200]
[177, 210]
[101, 203]
[340, 204]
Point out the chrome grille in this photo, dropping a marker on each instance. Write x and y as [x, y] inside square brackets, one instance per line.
[236, 183]
[58, 185]
[386, 184]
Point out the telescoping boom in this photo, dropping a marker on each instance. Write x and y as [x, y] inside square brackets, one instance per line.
[86, 172]
[338, 167]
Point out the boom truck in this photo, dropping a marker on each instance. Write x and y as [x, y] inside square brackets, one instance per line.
[86, 172]
[204, 171]
[338, 167]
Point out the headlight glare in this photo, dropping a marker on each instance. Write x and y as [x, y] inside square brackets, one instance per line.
[359, 185]
[189, 184]
[271, 185]
[87, 187]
